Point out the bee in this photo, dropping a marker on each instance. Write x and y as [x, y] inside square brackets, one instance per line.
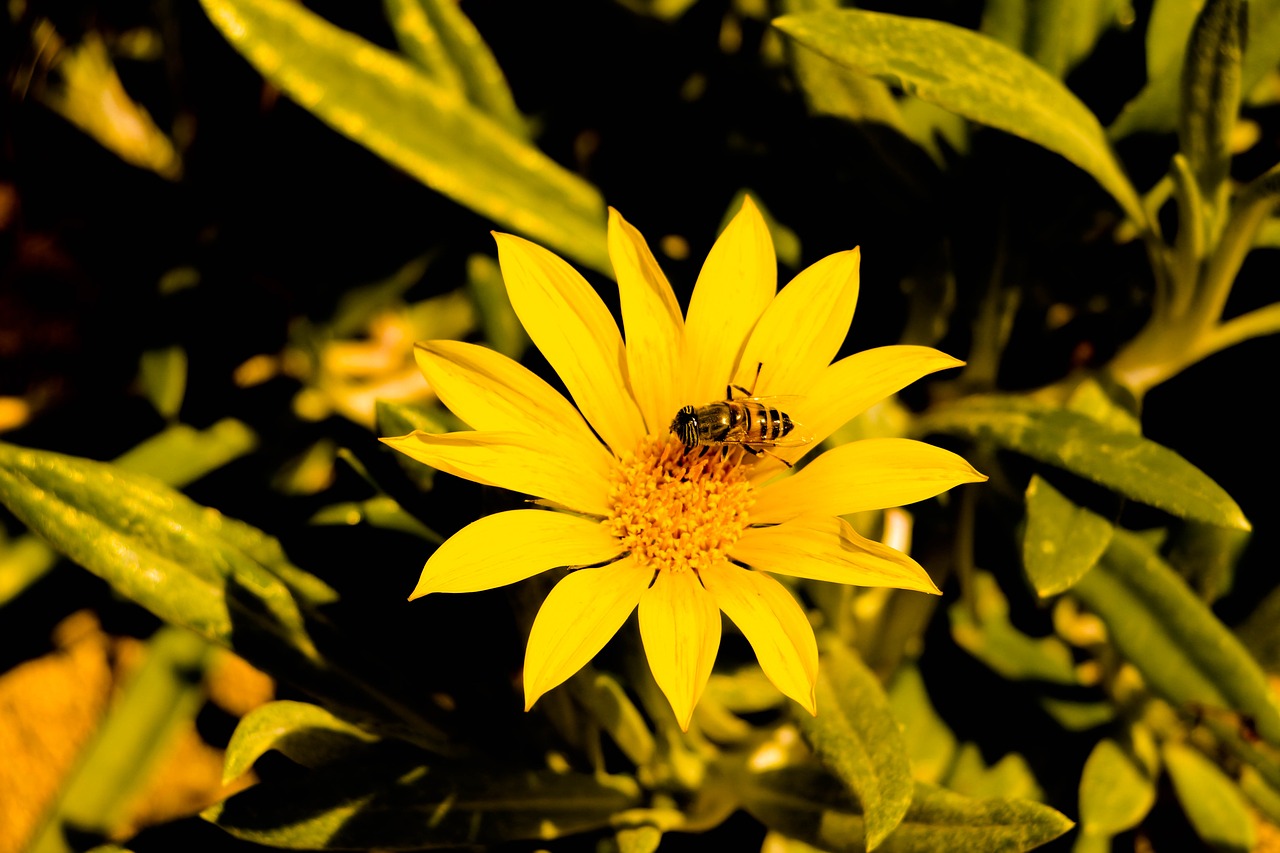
[749, 422]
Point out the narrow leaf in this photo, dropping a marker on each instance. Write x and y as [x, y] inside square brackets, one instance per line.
[391, 804]
[1155, 108]
[1213, 803]
[807, 804]
[1061, 541]
[972, 75]
[386, 104]
[444, 42]
[1211, 91]
[1130, 464]
[1183, 652]
[856, 736]
[305, 733]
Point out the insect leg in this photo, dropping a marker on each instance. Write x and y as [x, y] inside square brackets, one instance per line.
[728, 389]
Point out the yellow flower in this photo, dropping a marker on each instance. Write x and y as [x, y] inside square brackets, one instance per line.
[681, 535]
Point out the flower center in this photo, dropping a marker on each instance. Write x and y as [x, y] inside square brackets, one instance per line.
[676, 510]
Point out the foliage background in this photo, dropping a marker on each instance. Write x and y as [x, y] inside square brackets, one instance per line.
[275, 218]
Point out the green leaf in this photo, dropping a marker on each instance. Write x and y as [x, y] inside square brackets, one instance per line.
[163, 376]
[807, 804]
[181, 454]
[191, 567]
[971, 75]
[1212, 802]
[1211, 92]
[163, 696]
[1260, 793]
[1061, 541]
[1008, 778]
[386, 104]
[1206, 556]
[152, 544]
[856, 736]
[305, 733]
[1181, 649]
[177, 456]
[1130, 464]
[1115, 791]
[1155, 108]
[984, 630]
[389, 803]
[441, 39]
[614, 711]
[502, 328]
[1061, 33]
[381, 511]
[931, 745]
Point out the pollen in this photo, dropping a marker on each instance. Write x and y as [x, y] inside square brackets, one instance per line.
[678, 510]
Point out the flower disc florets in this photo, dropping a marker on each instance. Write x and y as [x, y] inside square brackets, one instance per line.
[678, 510]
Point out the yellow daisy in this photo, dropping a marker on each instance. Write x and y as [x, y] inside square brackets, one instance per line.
[681, 534]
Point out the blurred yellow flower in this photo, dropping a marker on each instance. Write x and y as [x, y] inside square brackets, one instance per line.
[680, 534]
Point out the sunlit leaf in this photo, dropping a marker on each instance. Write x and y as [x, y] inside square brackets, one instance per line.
[177, 456]
[441, 39]
[856, 736]
[1155, 108]
[163, 376]
[1061, 541]
[614, 711]
[1115, 792]
[90, 95]
[389, 803]
[1212, 802]
[305, 733]
[190, 566]
[181, 454]
[1183, 652]
[502, 328]
[931, 746]
[1210, 90]
[381, 511]
[386, 104]
[1008, 778]
[967, 73]
[984, 630]
[805, 803]
[1130, 464]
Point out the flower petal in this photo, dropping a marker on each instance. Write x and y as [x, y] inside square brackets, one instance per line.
[827, 548]
[510, 546]
[738, 279]
[489, 391]
[654, 326]
[852, 385]
[872, 474]
[802, 329]
[574, 330]
[773, 623]
[680, 626]
[558, 470]
[579, 616]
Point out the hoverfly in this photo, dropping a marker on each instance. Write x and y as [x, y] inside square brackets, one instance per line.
[749, 422]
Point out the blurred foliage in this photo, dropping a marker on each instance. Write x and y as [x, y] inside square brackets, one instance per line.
[225, 225]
